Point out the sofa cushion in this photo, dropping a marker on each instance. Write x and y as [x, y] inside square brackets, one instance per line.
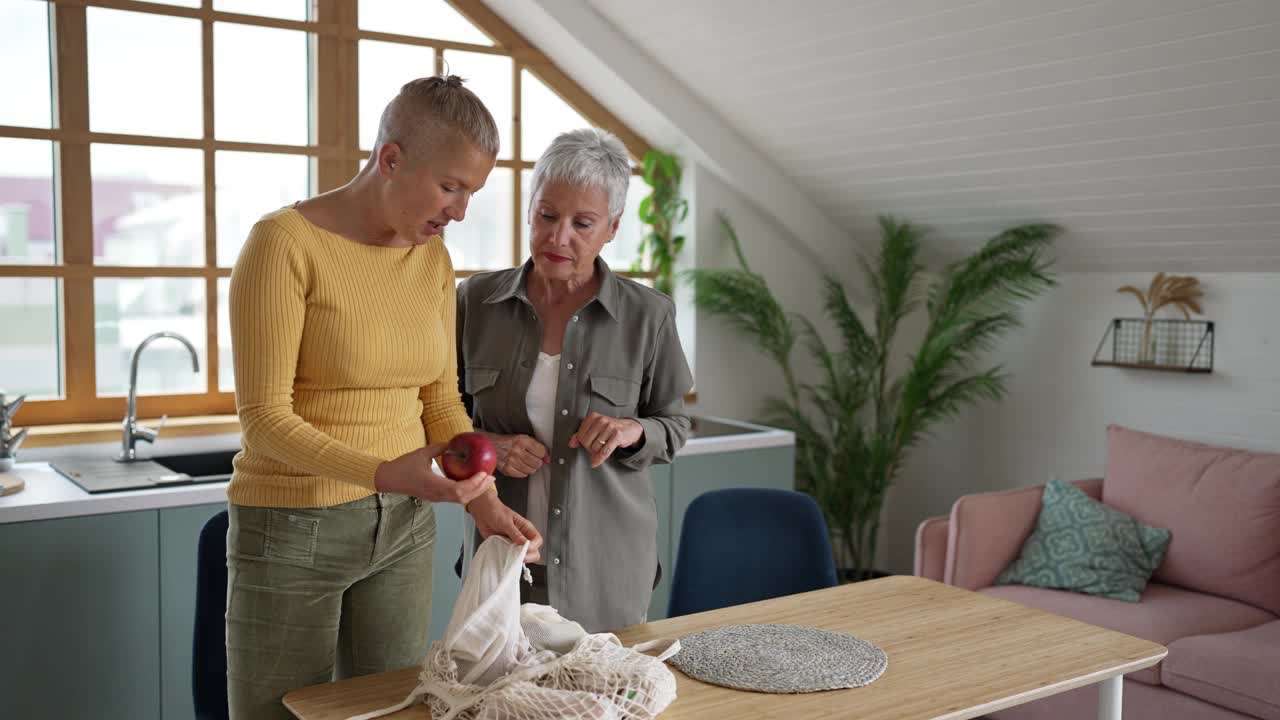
[1221, 505]
[1164, 614]
[1239, 670]
[1082, 545]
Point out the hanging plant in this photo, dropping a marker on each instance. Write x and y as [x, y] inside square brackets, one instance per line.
[661, 210]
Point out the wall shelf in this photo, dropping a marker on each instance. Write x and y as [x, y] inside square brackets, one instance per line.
[1172, 345]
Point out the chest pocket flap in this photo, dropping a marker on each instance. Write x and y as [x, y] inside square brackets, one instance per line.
[479, 379]
[617, 391]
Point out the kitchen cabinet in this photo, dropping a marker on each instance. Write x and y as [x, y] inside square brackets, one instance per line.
[179, 535]
[80, 617]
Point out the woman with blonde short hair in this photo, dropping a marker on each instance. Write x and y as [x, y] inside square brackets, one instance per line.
[342, 325]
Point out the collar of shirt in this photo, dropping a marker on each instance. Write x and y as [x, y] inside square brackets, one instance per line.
[515, 287]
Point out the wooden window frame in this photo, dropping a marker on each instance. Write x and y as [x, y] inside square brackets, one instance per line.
[334, 152]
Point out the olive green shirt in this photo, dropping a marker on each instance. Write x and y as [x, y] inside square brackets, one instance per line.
[620, 357]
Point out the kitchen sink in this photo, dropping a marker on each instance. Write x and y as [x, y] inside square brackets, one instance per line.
[100, 475]
[202, 467]
[706, 427]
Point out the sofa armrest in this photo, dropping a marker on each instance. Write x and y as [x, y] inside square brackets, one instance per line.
[987, 530]
[931, 548]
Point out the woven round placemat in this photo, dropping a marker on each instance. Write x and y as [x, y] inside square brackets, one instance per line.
[779, 658]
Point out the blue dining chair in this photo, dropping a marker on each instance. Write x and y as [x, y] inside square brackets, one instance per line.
[209, 641]
[741, 545]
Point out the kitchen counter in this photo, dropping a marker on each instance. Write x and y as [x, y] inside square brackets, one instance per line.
[717, 435]
[49, 495]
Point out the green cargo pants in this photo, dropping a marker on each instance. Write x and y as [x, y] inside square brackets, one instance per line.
[318, 594]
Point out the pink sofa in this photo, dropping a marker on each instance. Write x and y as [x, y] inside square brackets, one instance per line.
[1214, 601]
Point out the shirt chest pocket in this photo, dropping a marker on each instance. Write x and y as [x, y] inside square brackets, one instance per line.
[614, 396]
[479, 382]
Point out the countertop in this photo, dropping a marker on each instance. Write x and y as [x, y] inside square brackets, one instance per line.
[49, 495]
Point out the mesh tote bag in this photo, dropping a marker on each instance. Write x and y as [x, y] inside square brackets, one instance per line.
[499, 660]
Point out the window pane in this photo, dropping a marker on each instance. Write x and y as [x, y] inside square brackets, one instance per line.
[148, 205]
[29, 344]
[543, 116]
[226, 370]
[251, 185]
[260, 95]
[483, 240]
[489, 77]
[26, 202]
[179, 3]
[422, 18]
[126, 311]
[286, 9]
[384, 67]
[621, 252]
[24, 43]
[526, 185]
[144, 74]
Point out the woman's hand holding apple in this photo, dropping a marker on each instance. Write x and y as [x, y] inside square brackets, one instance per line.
[411, 474]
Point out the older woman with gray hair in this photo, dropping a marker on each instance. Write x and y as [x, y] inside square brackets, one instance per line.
[579, 377]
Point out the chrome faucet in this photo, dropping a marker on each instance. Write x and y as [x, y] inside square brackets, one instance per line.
[8, 442]
[132, 431]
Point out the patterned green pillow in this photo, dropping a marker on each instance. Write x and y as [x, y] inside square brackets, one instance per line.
[1079, 544]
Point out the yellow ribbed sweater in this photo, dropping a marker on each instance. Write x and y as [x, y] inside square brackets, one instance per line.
[344, 357]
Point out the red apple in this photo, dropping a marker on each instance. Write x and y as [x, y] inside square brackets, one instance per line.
[467, 454]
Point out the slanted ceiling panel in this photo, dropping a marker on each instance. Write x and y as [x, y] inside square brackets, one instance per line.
[1149, 128]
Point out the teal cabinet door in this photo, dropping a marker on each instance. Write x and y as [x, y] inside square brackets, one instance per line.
[81, 616]
[696, 474]
[179, 535]
[661, 476]
[445, 585]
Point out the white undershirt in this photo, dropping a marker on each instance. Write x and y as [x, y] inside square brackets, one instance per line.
[541, 402]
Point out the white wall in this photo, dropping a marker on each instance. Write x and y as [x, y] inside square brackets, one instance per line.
[733, 376]
[1054, 420]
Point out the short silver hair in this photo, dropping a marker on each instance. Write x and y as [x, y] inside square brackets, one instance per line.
[588, 157]
[428, 109]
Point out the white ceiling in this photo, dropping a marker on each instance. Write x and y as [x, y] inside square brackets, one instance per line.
[1149, 128]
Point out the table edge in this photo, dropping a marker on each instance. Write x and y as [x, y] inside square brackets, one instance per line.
[1056, 688]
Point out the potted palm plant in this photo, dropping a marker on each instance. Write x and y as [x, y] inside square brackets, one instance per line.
[856, 422]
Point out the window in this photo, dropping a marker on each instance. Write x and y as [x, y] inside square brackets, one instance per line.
[133, 169]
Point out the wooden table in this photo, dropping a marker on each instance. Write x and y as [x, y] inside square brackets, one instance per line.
[953, 654]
